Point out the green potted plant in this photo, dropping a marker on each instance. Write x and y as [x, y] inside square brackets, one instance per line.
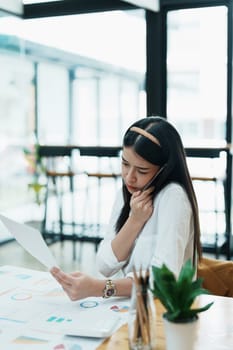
[36, 169]
[177, 296]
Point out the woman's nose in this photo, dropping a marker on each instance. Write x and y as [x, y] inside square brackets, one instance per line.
[131, 176]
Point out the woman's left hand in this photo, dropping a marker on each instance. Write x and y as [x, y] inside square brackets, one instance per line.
[77, 285]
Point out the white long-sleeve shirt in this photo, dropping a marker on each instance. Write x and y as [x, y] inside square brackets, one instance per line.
[167, 237]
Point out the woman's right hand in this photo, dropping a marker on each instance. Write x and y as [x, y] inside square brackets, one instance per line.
[77, 285]
[141, 205]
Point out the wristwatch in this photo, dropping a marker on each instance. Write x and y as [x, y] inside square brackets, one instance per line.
[109, 289]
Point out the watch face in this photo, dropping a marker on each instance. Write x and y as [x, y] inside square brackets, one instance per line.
[109, 292]
[109, 289]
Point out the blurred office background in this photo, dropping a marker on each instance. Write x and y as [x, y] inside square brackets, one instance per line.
[79, 72]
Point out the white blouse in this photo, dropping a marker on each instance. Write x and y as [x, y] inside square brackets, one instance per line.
[167, 237]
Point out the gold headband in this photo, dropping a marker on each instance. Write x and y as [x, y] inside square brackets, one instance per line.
[146, 134]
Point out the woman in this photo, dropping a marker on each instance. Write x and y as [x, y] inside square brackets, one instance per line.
[154, 219]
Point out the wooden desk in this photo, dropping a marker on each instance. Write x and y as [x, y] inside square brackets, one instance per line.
[215, 327]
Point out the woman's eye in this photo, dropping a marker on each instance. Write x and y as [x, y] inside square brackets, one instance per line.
[142, 172]
[125, 163]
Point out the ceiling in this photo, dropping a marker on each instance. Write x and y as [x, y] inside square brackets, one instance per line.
[146, 4]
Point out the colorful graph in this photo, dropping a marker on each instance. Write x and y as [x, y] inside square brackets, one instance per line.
[120, 308]
[59, 347]
[75, 347]
[89, 304]
[58, 319]
[28, 340]
[63, 347]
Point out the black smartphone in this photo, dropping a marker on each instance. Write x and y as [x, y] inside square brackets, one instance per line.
[153, 178]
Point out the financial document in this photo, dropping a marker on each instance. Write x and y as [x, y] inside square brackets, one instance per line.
[35, 313]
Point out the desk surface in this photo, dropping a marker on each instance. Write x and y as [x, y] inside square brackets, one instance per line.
[215, 327]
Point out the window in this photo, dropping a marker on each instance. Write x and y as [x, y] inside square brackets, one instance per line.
[53, 104]
[76, 79]
[197, 73]
[197, 104]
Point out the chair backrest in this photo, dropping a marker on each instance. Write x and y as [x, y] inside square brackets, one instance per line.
[217, 276]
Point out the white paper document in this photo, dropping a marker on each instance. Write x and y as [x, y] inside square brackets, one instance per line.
[31, 240]
[36, 314]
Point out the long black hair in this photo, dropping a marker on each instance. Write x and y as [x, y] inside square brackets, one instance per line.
[170, 155]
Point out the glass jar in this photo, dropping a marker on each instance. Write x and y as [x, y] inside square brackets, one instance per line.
[142, 319]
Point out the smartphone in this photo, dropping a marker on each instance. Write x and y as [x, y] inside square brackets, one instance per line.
[153, 178]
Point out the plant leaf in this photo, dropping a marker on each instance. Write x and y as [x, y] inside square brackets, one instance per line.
[164, 286]
[178, 295]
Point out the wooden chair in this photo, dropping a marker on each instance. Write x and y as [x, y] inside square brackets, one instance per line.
[217, 276]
